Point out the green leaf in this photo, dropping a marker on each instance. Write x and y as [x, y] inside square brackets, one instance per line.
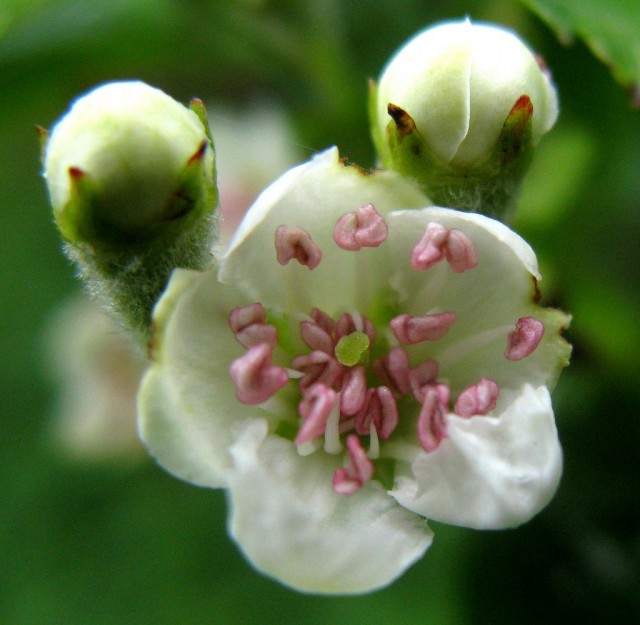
[610, 29]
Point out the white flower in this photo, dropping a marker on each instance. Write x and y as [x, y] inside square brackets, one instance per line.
[458, 82]
[97, 369]
[353, 365]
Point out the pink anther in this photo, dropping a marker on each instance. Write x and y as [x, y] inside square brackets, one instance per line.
[524, 339]
[323, 320]
[316, 337]
[438, 243]
[429, 250]
[393, 371]
[255, 377]
[422, 375]
[258, 333]
[432, 424]
[381, 409]
[354, 388]
[318, 366]
[317, 403]
[460, 252]
[243, 316]
[479, 399]
[364, 227]
[347, 480]
[409, 330]
[248, 325]
[347, 324]
[296, 243]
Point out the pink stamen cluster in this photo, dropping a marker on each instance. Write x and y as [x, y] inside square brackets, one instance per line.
[359, 407]
[337, 399]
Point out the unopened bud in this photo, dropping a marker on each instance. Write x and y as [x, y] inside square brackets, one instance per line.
[131, 177]
[460, 108]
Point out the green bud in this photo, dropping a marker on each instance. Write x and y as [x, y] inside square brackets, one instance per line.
[131, 177]
[460, 108]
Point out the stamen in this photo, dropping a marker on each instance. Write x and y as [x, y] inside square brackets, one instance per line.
[479, 399]
[255, 377]
[243, 316]
[315, 407]
[296, 243]
[258, 333]
[306, 449]
[389, 416]
[332, 444]
[317, 366]
[439, 242]
[380, 409]
[323, 320]
[347, 480]
[429, 250]
[424, 374]
[354, 388]
[355, 322]
[393, 371]
[460, 252]
[524, 339]
[374, 443]
[432, 425]
[248, 325]
[409, 330]
[316, 337]
[364, 227]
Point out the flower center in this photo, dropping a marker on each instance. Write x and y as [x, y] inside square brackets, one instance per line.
[345, 400]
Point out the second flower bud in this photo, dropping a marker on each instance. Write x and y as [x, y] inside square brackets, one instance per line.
[459, 108]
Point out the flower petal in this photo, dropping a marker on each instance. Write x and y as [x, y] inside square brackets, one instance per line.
[187, 407]
[441, 114]
[491, 472]
[487, 300]
[301, 198]
[294, 527]
[502, 69]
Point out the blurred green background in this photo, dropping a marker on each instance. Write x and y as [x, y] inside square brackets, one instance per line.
[96, 542]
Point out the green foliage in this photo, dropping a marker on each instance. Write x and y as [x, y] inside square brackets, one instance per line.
[610, 29]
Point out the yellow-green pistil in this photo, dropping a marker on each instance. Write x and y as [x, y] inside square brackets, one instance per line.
[352, 349]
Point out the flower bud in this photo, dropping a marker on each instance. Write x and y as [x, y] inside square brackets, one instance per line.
[131, 177]
[116, 165]
[459, 108]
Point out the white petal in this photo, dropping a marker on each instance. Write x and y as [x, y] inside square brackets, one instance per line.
[430, 79]
[292, 525]
[491, 472]
[502, 70]
[487, 301]
[314, 196]
[186, 405]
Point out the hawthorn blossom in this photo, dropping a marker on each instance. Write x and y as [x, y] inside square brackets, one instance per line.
[356, 363]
